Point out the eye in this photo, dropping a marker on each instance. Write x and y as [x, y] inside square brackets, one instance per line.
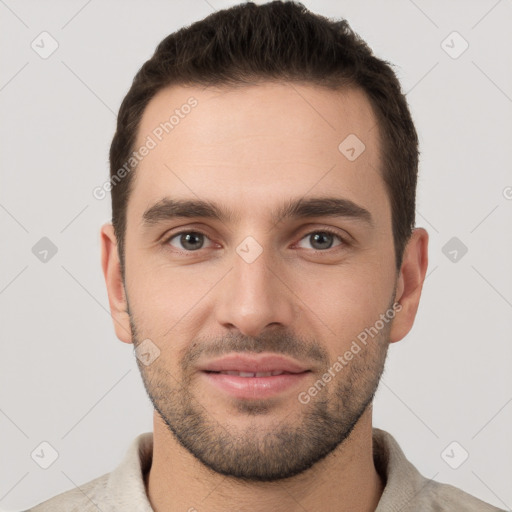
[191, 241]
[187, 240]
[322, 239]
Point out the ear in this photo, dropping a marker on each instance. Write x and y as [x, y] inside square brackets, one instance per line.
[410, 283]
[114, 281]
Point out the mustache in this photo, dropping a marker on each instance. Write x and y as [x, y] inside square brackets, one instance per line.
[282, 343]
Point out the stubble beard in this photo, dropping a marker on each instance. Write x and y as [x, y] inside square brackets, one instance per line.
[284, 448]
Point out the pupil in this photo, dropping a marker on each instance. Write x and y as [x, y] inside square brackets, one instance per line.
[320, 237]
[187, 240]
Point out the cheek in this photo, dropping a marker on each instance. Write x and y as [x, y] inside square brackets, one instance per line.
[163, 290]
[168, 302]
[345, 302]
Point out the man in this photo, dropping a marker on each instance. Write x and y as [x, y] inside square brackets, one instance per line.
[261, 258]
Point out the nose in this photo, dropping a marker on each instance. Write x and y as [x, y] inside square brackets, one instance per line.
[254, 296]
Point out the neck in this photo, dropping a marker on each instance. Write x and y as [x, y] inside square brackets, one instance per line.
[346, 480]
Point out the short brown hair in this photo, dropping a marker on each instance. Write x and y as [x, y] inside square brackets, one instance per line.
[276, 41]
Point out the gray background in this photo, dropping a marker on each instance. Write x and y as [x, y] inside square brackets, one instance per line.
[67, 380]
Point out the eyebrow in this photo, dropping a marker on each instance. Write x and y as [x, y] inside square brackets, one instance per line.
[169, 208]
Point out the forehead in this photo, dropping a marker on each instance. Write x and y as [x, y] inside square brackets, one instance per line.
[255, 145]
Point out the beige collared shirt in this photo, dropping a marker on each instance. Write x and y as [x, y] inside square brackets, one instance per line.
[406, 490]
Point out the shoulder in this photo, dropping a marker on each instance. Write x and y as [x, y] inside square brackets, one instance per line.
[121, 489]
[407, 490]
[436, 496]
[84, 498]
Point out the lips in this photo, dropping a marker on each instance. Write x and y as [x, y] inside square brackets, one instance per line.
[254, 377]
[251, 366]
[252, 374]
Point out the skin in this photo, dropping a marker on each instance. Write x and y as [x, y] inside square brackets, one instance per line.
[251, 149]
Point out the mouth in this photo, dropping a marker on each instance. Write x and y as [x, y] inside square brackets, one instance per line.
[252, 377]
[252, 364]
[252, 374]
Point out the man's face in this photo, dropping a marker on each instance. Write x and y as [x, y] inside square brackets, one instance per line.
[256, 283]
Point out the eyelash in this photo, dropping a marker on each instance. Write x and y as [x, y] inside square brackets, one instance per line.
[199, 232]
